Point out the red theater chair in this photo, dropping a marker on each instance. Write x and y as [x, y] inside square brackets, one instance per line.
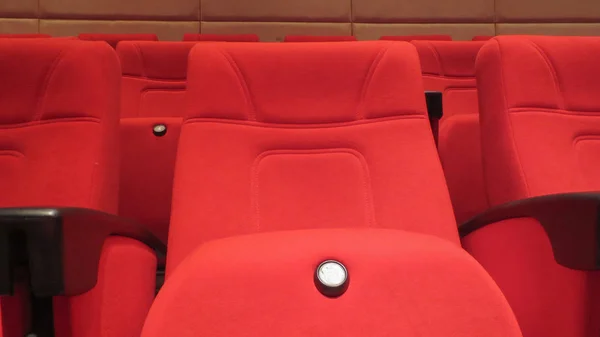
[152, 107]
[114, 39]
[449, 67]
[416, 37]
[316, 38]
[353, 178]
[221, 37]
[60, 103]
[539, 101]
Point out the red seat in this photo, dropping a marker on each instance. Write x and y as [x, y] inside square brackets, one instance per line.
[114, 39]
[60, 103]
[317, 38]
[539, 104]
[482, 37]
[153, 88]
[262, 151]
[24, 36]
[449, 67]
[417, 37]
[221, 37]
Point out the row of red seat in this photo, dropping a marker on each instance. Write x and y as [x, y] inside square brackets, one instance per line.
[113, 39]
[260, 161]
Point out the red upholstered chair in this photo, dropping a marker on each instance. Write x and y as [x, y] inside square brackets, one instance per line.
[24, 36]
[152, 107]
[221, 37]
[114, 39]
[318, 38]
[449, 67]
[539, 104]
[482, 37]
[354, 177]
[59, 131]
[441, 37]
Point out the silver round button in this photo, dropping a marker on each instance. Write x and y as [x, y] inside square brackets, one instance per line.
[159, 130]
[331, 278]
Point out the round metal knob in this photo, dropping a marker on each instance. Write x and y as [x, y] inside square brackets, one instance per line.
[159, 130]
[331, 278]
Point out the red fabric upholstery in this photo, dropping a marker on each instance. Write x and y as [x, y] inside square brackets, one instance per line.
[260, 150]
[23, 36]
[153, 87]
[400, 284]
[482, 37]
[58, 132]
[539, 104]
[315, 38]
[417, 37]
[114, 39]
[221, 37]
[449, 67]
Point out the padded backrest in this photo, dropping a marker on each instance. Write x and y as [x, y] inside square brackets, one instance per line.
[60, 102]
[539, 107]
[417, 37]
[305, 135]
[449, 67]
[114, 39]
[221, 37]
[24, 36]
[153, 87]
[316, 38]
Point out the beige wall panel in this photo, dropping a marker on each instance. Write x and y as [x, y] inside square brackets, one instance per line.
[275, 31]
[548, 28]
[165, 30]
[120, 9]
[372, 31]
[547, 10]
[423, 10]
[19, 8]
[276, 10]
[18, 26]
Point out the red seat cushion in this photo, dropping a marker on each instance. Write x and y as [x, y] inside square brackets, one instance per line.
[400, 284]
[221, 37]
[262, 150]
[449, 67]
[417, 37]
[316, 38]
[539, 104]
[114, 39]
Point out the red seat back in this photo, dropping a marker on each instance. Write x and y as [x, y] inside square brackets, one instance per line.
[317, 38]
[261, 150]
[539, 108]
[221, 37]
[153, 88]
[114, 39]
[417, 37]
[449, 67]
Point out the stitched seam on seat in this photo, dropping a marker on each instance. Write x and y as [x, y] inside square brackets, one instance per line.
[555, 111]
[39, 109]
[437, 57]
[51, 121]
[251, 113]
[552, 70]
[302, 126]
[360, 113]
[510, 124]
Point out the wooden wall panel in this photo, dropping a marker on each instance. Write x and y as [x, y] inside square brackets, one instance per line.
[275, 31]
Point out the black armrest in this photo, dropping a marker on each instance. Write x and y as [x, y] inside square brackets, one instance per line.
[62, 246]
[571, 221]
[435, 111]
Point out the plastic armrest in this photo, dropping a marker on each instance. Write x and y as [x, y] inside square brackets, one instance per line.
[570, 220]
[61, 246]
